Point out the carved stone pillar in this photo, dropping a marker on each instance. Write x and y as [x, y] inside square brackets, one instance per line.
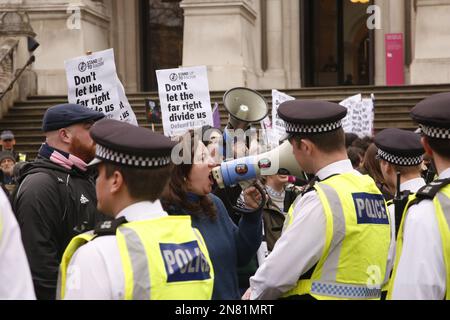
[125, 39]
[221, 34]
[275, 75]
[392, 21]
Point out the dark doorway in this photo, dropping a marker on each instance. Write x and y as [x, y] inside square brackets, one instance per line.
[337, 48]
[162, 38]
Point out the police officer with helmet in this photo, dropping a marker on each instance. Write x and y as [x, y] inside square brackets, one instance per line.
[336, 245]
[400, 154]
[421, 269]
[143, 253]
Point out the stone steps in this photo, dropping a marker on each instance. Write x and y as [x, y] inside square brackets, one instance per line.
[392, 108]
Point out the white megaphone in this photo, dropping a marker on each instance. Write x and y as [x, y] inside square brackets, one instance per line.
[245, 106]
[280, 160]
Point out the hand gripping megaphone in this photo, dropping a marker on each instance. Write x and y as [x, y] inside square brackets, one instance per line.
[245, 106]
[280, 160]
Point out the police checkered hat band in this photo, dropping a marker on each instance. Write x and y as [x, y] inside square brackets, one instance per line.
[106, 154]
[314, 128]
[400, 161]
[434, 132]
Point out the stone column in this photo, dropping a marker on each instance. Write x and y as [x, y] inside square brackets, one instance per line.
[125, 39]
[274, 35]
[291, 22]
[431, 64]
[221, 34]
[392, 21]
[275, 76]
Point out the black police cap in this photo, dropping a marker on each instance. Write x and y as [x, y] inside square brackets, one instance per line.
[399, 147]
[311, 116]
[128, 145]
[65, 115]
[433, 116]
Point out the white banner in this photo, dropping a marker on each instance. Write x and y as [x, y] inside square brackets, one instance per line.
[360, 116]
[93, 82]
[184, 97]
[278, 124]
[270, 139]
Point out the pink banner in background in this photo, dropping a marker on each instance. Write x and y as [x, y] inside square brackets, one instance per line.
[394, 59]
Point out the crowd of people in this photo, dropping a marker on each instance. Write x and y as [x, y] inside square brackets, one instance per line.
[104, 212]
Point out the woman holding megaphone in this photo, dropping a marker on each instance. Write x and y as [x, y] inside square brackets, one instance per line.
[229, 246]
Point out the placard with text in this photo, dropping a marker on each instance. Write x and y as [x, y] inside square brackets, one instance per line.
[93, 82]
[185, 100]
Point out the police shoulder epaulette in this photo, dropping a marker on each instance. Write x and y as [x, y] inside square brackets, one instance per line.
[308, 189]
[109, 228]
[430, 190]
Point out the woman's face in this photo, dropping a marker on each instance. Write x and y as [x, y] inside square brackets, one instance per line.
[199, 180]
[282, 179]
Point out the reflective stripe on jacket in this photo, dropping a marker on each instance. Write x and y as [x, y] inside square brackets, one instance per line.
[353, 263]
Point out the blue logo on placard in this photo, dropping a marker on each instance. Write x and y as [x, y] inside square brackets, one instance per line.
[370, 208]
[184, 262]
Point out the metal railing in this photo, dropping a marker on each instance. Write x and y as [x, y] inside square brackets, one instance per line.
[7, 62]
[19, 73]
[9, 73]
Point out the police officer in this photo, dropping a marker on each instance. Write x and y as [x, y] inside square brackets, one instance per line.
[339, 237]
[143, 253]
[401, 155]
[421, 269]
[15, 275]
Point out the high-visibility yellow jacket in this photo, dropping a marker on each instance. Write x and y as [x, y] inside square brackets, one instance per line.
[353, 262]
[163, 259]
[441, 203]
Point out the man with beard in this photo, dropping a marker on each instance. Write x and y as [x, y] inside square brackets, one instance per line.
[55, 199]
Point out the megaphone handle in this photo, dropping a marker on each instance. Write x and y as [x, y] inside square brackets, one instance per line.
[247, 211]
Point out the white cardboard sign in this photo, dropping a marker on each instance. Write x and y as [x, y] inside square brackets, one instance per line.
[360, 116]
[185, 100]
[278, 125]
[93, 82]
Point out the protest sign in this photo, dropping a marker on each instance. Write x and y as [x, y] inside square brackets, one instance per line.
[216, 116]
[184, 97]
[360, 115]
[271, 139]
[93, 82]
[278, 125]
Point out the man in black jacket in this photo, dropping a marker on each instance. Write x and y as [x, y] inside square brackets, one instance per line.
[55, 199]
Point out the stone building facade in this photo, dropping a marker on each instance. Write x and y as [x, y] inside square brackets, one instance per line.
[261, 44]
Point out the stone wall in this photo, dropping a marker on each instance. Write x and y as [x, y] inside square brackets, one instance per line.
[252, 43]
[17, 79]
[431, 63]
